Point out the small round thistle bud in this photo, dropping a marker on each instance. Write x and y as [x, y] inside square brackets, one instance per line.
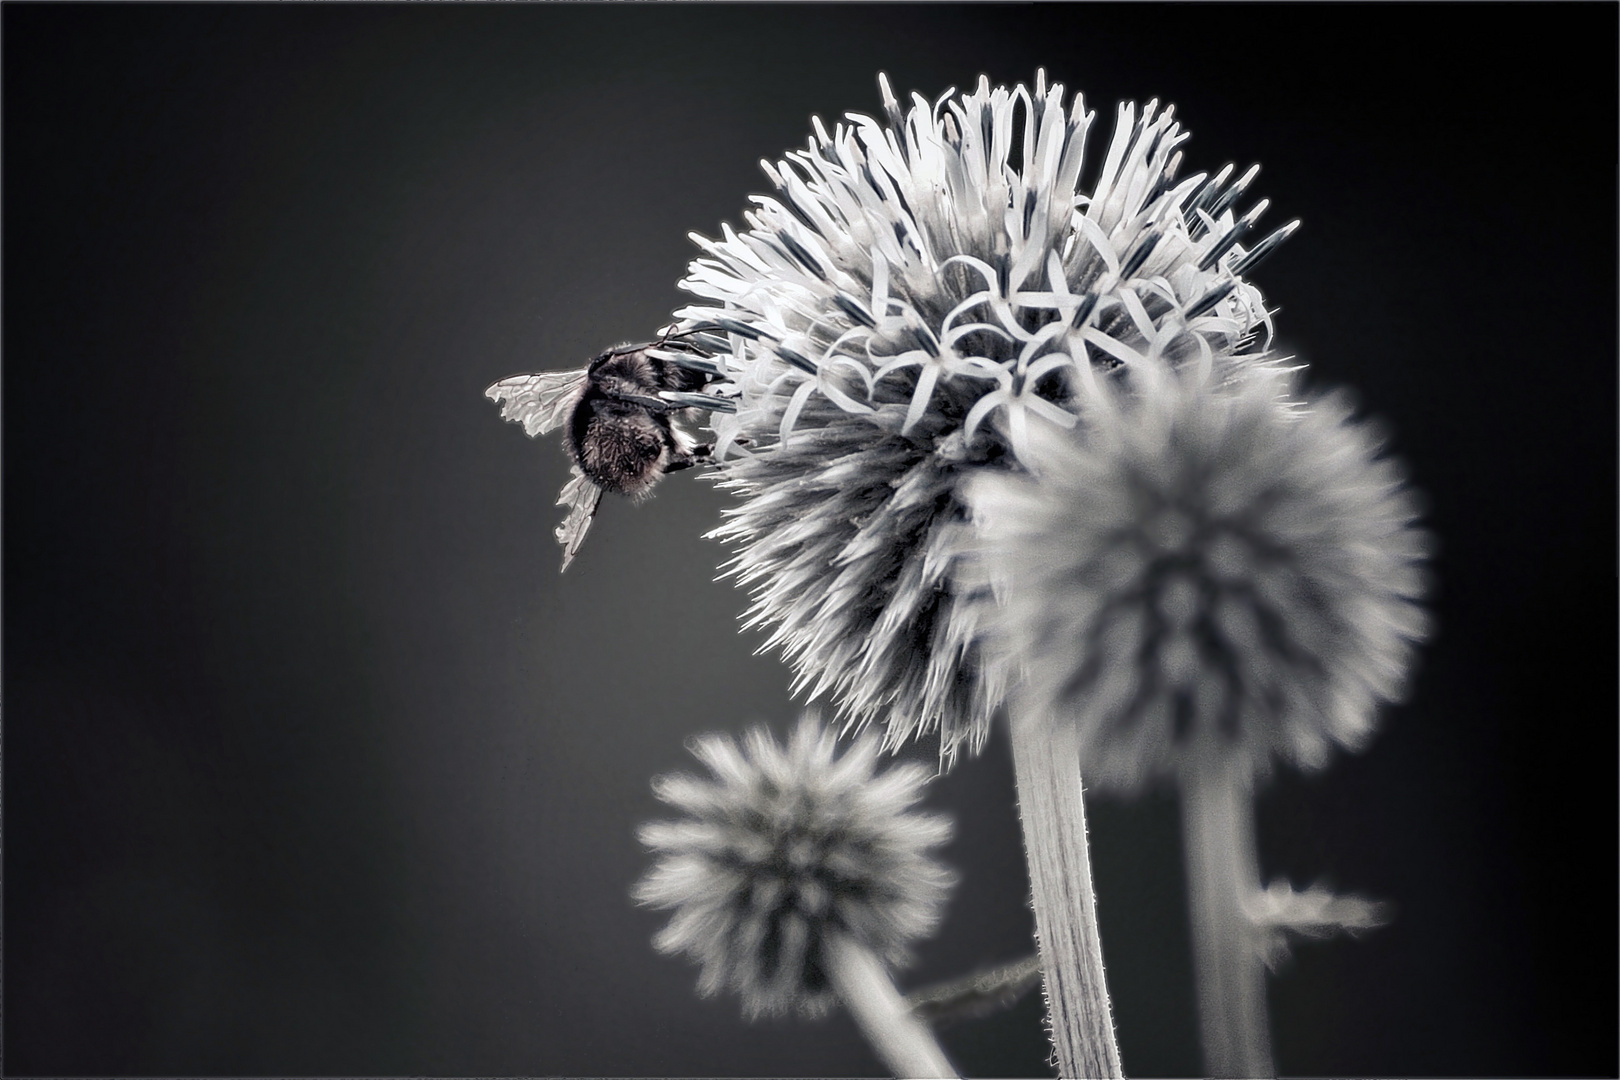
[1206, 574]
[782, 850]
[916, 297]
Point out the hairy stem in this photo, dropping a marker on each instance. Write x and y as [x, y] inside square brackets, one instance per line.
[1046, 759]
[978, 994]
[1218, 840]
[904, 1042]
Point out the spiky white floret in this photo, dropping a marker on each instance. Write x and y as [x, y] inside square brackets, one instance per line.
[782, 847]
[910, 306]
[1206, 572]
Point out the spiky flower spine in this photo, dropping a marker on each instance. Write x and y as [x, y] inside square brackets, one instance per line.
[1207, 573]
[783, 849]
[910, 306]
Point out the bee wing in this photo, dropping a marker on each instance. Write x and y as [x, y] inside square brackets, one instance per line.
[539, 402]
[581, 497]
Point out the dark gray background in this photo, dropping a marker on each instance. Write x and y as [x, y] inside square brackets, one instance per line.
[314, 764]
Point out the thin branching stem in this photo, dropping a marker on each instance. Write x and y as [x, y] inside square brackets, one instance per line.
[978, 994]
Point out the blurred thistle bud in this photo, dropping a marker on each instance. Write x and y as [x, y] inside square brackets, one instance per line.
[787, 856]
[916, 299]
[1206, 574]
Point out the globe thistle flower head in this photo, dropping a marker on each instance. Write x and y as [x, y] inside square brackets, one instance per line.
[1208, 574]
[781, 847]
[915, 299]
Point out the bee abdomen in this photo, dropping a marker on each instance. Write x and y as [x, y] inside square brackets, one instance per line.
[622, 451]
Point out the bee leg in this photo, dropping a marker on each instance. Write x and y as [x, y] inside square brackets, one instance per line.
[698, 455]
[652, 404]
[702, 454]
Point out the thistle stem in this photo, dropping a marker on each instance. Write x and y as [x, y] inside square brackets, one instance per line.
[1046, 760]
[979, 994]
[904, 1042]
[1218, 840]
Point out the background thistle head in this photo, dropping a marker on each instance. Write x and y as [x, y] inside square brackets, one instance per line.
[1207, 573]
[781, 847]
[919, 295]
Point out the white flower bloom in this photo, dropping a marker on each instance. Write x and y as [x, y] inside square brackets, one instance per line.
[1206, 575]
[915, 302]
[782, 849]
